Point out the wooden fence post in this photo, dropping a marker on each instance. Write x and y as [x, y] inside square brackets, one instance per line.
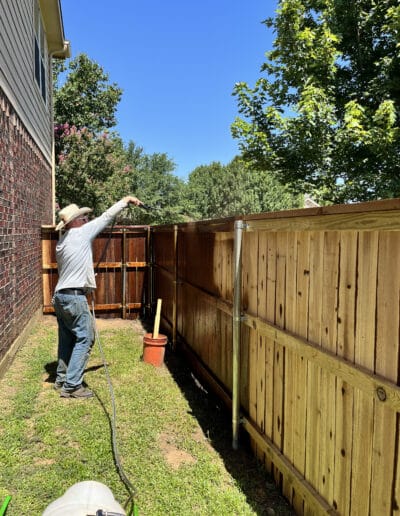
[151, 267]
[175, 292]
[123, 266]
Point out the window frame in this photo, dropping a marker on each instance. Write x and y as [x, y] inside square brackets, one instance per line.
[40, 62]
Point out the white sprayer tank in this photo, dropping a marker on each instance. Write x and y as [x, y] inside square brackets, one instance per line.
[84, 498]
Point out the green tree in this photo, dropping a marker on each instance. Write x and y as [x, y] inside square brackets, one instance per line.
[216, 190]
[325, 116]
[87, 155]
[95, 170]
[155, 184]
[87, 164]
[85, 98]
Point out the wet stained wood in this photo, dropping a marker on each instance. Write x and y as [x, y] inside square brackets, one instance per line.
[120, 259]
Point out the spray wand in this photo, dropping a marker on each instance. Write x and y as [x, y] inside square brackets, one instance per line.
[146, 207]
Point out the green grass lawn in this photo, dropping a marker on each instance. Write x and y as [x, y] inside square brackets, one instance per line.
[173, 439]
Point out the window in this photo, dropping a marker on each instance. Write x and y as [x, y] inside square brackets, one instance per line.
[40, 53]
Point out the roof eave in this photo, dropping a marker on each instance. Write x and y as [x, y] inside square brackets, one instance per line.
[52, 18]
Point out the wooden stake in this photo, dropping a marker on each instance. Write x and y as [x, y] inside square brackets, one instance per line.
[157, 320]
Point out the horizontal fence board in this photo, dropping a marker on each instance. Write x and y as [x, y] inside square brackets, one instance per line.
[105, 307]
[355, 375]
[384, 220]
[103, 265]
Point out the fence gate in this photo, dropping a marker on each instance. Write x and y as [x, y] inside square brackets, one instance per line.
[122, 275]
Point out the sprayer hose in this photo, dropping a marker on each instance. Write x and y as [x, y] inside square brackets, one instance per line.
[128, 484]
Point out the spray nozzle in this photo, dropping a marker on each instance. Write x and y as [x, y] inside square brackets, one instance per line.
[146, 207]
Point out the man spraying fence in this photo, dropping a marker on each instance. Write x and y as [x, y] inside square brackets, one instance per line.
[77, 279]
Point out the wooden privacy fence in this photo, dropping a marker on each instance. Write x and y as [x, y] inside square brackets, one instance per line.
[122, 276]
[319, 306]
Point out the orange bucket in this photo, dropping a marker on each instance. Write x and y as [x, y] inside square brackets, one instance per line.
[154, 349]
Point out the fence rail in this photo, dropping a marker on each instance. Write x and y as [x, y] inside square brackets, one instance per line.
[319, 342]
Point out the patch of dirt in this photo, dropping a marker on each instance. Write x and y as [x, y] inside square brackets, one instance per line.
[43, 462]
[117, 324]
[49, 320]
[105, 323]
[174, 457]
[7, 391]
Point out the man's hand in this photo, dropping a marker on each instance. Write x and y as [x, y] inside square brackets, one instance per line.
[132, 200]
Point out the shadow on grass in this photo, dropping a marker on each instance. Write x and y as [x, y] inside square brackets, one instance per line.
[215, 421]
[51, 370]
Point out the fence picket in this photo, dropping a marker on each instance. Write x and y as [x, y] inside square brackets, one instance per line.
[289, 322]
[386, 364]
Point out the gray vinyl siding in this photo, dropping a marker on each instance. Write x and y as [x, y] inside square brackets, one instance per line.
[17, 73]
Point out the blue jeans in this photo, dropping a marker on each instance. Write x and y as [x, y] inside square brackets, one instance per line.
[75, 338]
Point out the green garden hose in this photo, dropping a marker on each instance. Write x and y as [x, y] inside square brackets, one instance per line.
[129, 486]
[4, 506]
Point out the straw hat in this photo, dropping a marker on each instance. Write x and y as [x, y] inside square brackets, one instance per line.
[69, 213]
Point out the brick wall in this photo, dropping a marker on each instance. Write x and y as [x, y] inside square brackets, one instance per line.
[25, 204]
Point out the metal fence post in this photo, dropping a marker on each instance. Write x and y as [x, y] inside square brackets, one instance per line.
[236, 320]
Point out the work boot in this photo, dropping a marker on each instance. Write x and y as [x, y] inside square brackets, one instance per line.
[80, 392]
[58, 386]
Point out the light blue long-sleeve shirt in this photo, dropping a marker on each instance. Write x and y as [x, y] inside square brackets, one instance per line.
[74, 251]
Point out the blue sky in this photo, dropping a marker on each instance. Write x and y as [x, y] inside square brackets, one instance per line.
[177, 63]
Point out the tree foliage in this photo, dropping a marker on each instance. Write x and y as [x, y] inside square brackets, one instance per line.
[325, 116]
[96, 170]
[86, 165]
[151, 177]
[216, 190]
[86, 154]
[85, 98]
